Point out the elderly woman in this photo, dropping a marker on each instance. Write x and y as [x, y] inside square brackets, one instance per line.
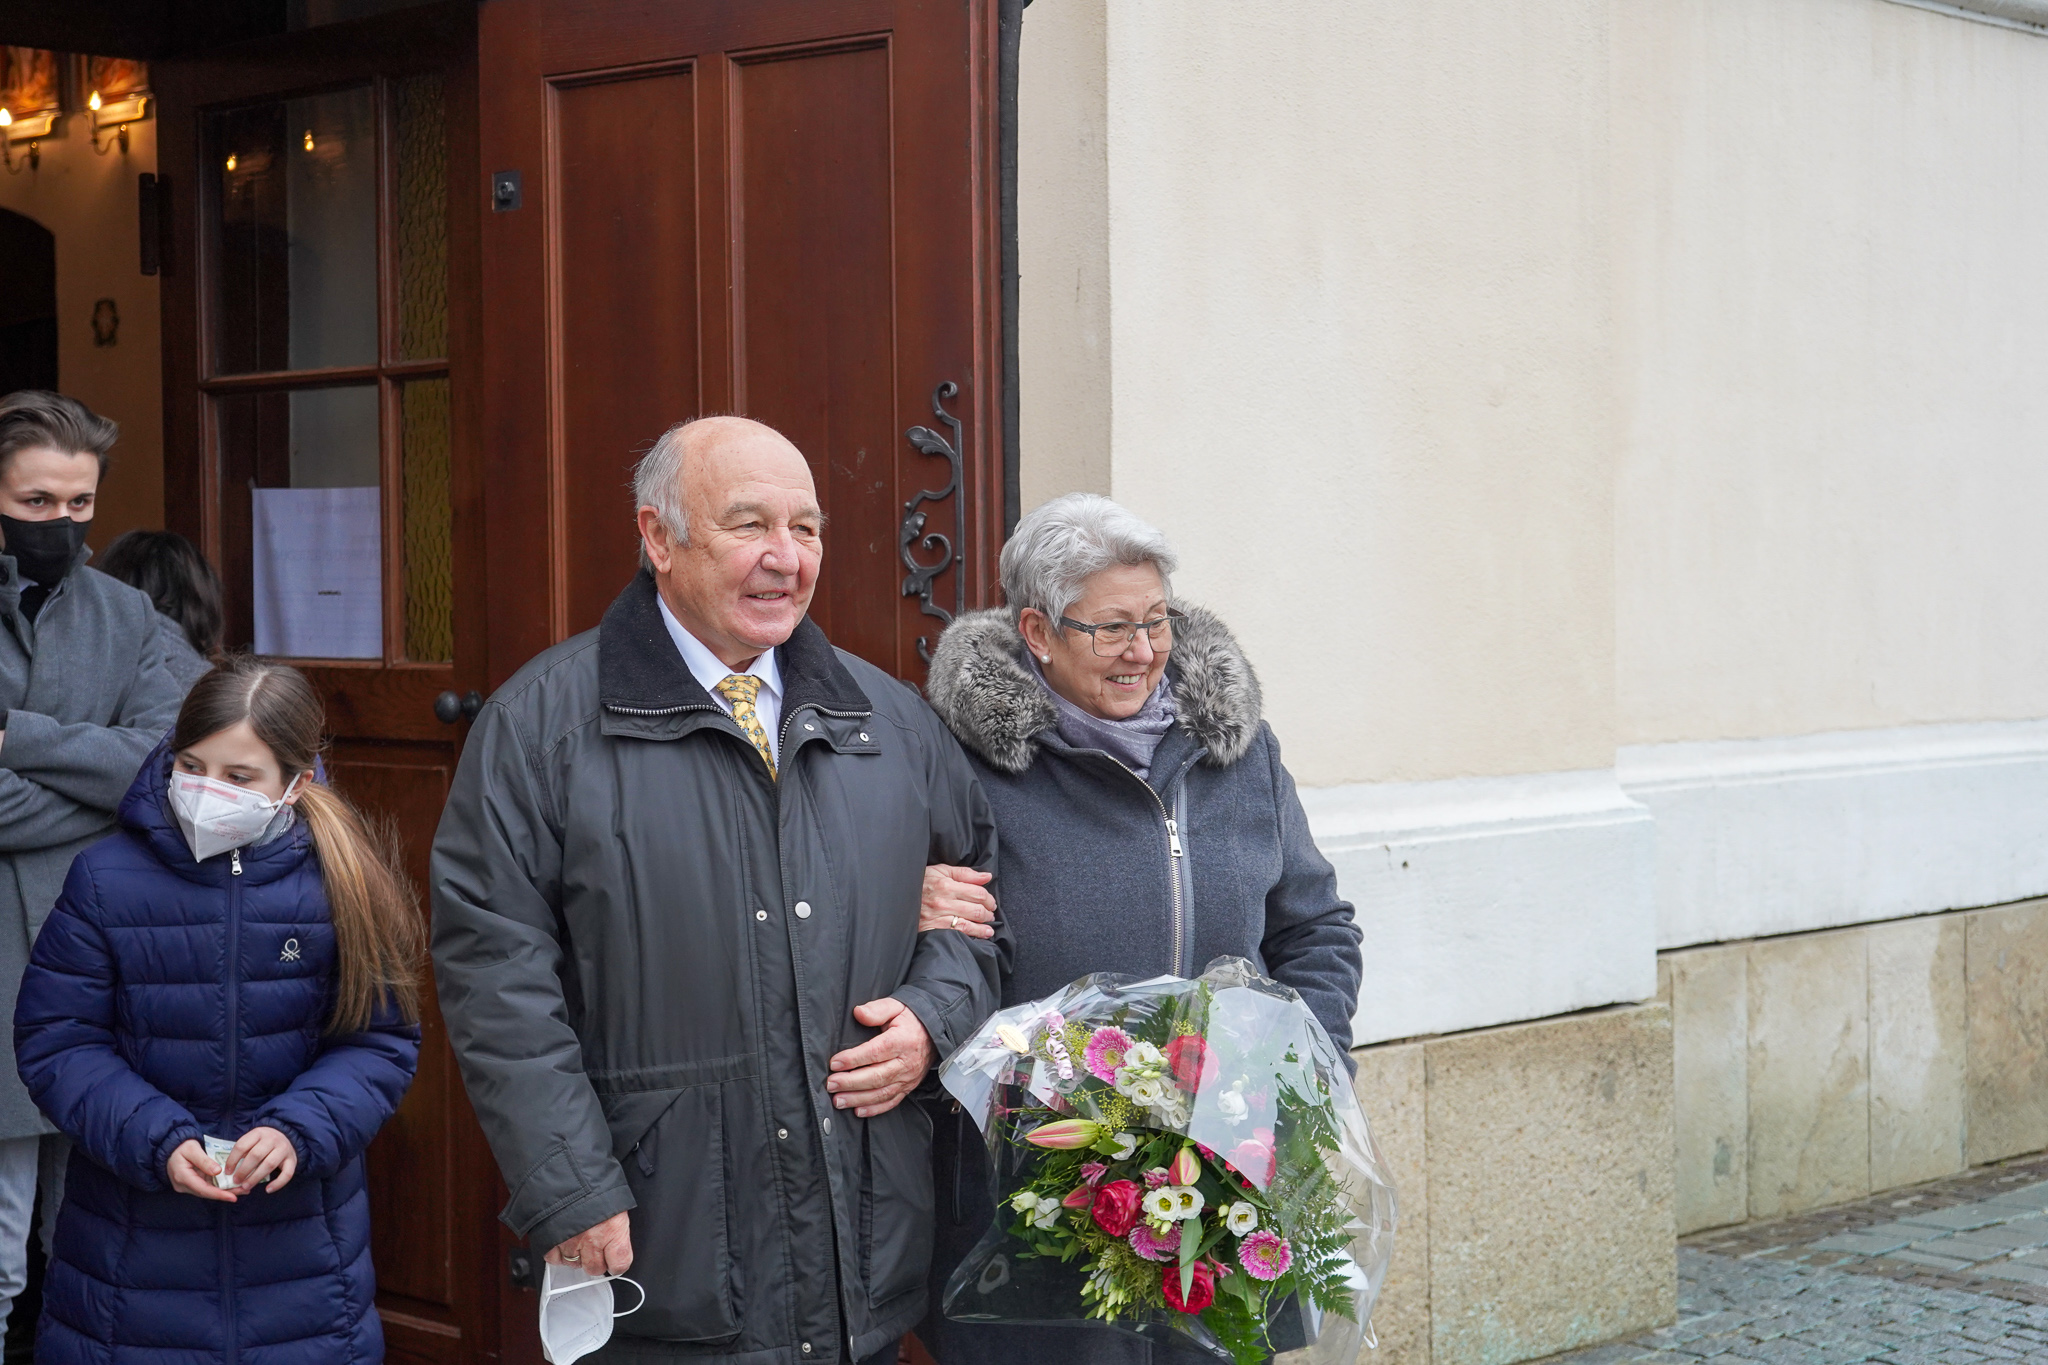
[1147, 827]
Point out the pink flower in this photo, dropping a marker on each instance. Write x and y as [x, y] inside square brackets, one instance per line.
[1152, 1246]
[1186, 1168]
[1065, 1134]
[1106, 1053]
[1206, 1150]
[1253, 1160]
[1116, 1207]
[1156, 1177]
[1265, 1255]
[1201, 1288]
[1093, 1172]
[1080, 1197]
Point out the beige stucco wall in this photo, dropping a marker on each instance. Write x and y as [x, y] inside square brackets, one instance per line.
[88, 202]
[1063, 250]
[1358, 273]
[1831, 332]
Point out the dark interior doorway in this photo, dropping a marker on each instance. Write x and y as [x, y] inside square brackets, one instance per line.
[28, 304]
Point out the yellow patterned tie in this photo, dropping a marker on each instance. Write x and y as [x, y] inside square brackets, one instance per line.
[740, 689]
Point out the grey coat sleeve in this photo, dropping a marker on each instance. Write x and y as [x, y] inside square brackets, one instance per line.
[955, 981]
[498, 956]
[1311, 942]
[94, 765]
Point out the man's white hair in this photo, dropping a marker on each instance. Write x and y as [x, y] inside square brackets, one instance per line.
[658, 483]
[1057, 547]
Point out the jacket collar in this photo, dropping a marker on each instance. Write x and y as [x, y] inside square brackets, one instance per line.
[640, 672]
[983, 689]
[12, 583]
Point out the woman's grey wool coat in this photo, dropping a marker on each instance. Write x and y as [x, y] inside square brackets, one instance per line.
[1090, 881]
[87, 696]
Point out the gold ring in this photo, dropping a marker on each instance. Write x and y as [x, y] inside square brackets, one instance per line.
[956, 921]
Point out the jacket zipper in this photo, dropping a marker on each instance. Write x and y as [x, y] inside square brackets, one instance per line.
[227, 1237]
[1175, 852]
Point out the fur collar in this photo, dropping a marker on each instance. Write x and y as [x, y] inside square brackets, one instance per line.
[985, 693]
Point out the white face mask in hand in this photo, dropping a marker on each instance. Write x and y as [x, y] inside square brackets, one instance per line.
[576, 1312]
[217, 816]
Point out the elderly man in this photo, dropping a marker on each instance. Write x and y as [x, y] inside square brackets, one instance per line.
[675, 930]
[86, 695]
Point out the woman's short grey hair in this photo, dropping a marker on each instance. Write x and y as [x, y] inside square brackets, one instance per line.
[1059, 546]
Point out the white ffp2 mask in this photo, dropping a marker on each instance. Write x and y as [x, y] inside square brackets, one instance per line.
[576, 1312]
[217, 816]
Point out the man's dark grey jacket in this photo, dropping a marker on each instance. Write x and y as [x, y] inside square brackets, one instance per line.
[648, 951]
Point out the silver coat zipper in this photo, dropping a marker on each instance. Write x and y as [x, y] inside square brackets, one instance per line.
[235, 860]
[1174, 853]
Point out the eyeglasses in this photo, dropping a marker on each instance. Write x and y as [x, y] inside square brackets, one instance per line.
[1114, 637]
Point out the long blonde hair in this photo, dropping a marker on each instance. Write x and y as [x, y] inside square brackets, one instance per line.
[378, 939]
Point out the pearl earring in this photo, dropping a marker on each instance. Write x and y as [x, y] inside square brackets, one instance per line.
[1045, 658]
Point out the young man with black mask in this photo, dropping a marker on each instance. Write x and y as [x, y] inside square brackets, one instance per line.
[84, 696]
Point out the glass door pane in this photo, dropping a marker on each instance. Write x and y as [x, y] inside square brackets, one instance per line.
[302, 529]
[296, 284]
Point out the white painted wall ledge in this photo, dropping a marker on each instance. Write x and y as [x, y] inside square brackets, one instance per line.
[1780, 836]
[1489, 900]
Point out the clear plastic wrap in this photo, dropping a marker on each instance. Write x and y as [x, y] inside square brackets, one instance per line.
[1176, 1157]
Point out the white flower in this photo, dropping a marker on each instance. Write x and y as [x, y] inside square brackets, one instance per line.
[1048, 1212]
[1146, 1058]
[1151, 1092]
[1012, 1038]
[1230, 1104]
[1241, 1218]
[1023, 1201]
[1163, 1204]
[1125, 1145]
[1187, 1201]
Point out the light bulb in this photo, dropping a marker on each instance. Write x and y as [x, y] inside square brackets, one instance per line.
[309, 139]
[231, 160]
[94, 102]
[5, 118]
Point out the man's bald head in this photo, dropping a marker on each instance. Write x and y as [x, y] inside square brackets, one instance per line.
[661, 477]
[731, 529]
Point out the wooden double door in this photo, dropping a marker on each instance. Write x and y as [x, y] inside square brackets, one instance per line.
[438, 277]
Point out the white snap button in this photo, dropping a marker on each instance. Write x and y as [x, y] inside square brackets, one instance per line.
[827, 1125]
[803, 909]
[863, 736]
[809, 726]
[760, 914]
[782, 1133]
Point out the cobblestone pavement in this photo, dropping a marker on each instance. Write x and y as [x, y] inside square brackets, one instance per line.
[1950, 1273]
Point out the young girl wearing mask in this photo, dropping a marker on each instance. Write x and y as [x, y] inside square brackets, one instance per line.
[238, 964]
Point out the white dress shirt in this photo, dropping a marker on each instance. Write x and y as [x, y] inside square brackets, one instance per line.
[709, 671]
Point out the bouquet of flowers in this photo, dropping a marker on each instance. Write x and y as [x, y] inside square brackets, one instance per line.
[1175, 1156]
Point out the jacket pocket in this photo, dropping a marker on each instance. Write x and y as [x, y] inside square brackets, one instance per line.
[896, 1203]
[682, 1246]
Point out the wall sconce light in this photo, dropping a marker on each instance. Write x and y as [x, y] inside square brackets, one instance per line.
[115, 114]
[30, 128]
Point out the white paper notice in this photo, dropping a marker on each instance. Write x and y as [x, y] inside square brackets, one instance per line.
[318, 580]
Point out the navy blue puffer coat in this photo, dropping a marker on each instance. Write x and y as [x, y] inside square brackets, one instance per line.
[167, 999]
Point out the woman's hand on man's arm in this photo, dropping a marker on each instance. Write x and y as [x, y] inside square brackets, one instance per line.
[957, 898]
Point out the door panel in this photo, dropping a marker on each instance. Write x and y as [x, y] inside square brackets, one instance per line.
[628, 303]
[814, 297]
[782, 209]
[321, 337]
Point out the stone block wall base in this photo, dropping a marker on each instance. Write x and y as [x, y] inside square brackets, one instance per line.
[1533, 1170]
[1813, 1069]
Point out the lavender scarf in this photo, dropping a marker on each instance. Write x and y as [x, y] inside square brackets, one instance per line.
[1131, 741]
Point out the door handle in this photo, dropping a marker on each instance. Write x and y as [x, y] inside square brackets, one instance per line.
[449, 708]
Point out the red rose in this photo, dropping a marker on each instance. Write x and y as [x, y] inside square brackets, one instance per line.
[1194, 1066]
[1201, 1291]
[1116, 1207]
